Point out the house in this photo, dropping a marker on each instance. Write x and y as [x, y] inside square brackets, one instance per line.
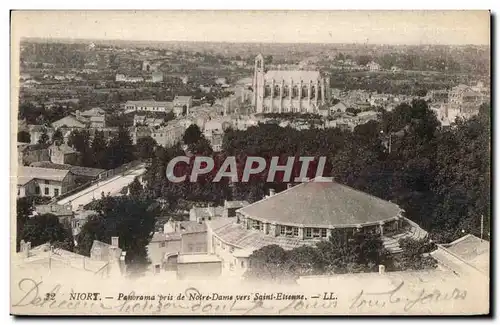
[82, 174]
[147, 121]
[63, 154]
[107, 252]
[63, 212]
[373, 66]
[200, 214]
[36, 181]
[230, 208]
[70, 121]
[148, 106]
[182, 104]
[157, 76]
[339, 107]
[166, 136]
[178, 237]
[96, 111]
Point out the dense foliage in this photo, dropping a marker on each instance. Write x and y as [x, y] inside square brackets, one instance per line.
[129, 218]
[361, 253]
[40, 229]
[439, 175]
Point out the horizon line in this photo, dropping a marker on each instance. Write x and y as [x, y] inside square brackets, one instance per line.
[248, 42]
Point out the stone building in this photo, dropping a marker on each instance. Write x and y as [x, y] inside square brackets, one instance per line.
[304, 215]
[281, 91]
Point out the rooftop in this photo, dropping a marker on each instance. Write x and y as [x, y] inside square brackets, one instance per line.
[295, 75]
[55, 209]
[93, 112]
[104, 252]
[43, 255]
[197, 258]
[26, 174]
[472, 250]
[149, 103]
[236, 235]
[77, 170]
[160, 236]
[192, 227]
[322, 204]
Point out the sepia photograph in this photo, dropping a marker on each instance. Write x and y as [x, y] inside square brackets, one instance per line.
[250, 162]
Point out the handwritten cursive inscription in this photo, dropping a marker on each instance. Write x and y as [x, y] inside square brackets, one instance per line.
[377, 300]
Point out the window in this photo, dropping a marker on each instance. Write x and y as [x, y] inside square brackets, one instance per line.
[56, 192]
[257, 224]
[295, 231]
[308, 232]
[37, 189]
[157, 268]
[162, 244]
[46, 182]
[46, 191]
[282, 230]
[316, 232]
[323, 233]
[242, 264]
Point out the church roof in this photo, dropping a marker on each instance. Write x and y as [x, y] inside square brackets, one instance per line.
[322, 204]
[296, 75]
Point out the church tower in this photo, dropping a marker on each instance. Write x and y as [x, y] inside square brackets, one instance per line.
[258, 82]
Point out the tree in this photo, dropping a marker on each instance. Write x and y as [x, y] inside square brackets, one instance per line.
[98, 151]
[44, 137]
[24, 137]
[135, 188]
[57, 137]
[46, 228]
[145, 147]
[192, 134]
[269, 263]
[414, 255]
[131, 219]
[120, 149]
[24, 208]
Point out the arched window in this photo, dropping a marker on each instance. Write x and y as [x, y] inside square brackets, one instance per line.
[286, 91]
[304, 92]
[276, 91]
[313, 92]
[267, 91]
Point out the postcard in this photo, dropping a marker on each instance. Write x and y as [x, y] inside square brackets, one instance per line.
[250, 162]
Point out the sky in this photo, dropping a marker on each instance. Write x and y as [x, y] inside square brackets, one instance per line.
[373, 27]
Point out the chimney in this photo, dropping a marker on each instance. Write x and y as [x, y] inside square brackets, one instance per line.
[272, 191]
[114, 241]
[123, 266]
[381, 269]
[22, 248]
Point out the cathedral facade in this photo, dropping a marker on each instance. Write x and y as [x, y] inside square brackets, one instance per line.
[281, 91]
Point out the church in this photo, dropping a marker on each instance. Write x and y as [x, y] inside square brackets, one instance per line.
[281, 91]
